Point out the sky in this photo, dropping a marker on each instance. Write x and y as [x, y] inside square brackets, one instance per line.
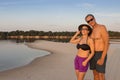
[57, 15]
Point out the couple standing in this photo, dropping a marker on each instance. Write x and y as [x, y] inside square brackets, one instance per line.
[92, 48]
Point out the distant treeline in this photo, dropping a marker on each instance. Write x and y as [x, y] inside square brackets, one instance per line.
[5, 35]
[114, 34]
[18, 34]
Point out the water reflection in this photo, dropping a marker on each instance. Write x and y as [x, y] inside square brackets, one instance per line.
[22, 40]
[14, 55]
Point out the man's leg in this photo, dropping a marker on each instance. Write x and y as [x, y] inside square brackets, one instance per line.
[96, 75]
[101, 76]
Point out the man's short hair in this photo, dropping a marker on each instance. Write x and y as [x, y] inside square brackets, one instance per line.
[89, 15]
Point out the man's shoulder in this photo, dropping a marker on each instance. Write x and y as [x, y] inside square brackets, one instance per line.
[103, 29]
[102, 26]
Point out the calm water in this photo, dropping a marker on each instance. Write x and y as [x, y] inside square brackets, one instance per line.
[14, 55]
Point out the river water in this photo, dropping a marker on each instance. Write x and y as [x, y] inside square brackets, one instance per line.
[14, 54]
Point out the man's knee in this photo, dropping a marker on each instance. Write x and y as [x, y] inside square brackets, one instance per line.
[96, 75]
[95, 72]
[102, 76]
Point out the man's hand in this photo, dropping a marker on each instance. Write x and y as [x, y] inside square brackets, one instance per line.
[100, 61]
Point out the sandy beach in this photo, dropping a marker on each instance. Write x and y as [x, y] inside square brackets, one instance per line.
[59, 64]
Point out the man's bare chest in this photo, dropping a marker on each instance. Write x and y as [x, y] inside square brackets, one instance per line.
[96, 34]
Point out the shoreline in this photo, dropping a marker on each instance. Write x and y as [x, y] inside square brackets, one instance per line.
[57, 65]
[53, 66]
[33, 47]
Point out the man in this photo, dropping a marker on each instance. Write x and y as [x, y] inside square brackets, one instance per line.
[101, 43]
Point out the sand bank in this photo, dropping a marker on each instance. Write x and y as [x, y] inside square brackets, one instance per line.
[59, 64]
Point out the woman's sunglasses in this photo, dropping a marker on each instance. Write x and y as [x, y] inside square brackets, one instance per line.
[85, 29]
[90, 20]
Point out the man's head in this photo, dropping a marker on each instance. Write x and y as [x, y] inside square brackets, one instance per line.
[90, 19]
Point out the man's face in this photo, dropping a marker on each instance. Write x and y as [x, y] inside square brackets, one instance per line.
[90, 20]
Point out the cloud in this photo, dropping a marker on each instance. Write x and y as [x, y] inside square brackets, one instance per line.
[8, 3]
[108, 14]
[87, 5]
[110, 19]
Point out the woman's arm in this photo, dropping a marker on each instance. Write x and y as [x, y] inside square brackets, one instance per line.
[74, 39]
[91, 44]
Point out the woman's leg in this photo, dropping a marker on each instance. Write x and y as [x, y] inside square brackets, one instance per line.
[81, 75]
[77, 72]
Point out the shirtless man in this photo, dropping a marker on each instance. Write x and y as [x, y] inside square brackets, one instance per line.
[101, 42]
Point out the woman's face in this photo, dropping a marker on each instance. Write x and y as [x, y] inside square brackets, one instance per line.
[84, 30]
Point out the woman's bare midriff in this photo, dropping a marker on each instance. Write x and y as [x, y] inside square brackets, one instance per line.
[83, 53]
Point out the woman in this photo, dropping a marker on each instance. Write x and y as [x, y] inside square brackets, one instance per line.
[85, 46]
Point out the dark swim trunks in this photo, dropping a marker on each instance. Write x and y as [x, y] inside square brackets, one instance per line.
[94, 65]
[78, 64]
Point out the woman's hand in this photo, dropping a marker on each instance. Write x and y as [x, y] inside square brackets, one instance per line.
[78, 32]
[84, 63]
[75, 39]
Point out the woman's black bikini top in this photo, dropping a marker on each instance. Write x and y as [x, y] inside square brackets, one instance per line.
[83, 46]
